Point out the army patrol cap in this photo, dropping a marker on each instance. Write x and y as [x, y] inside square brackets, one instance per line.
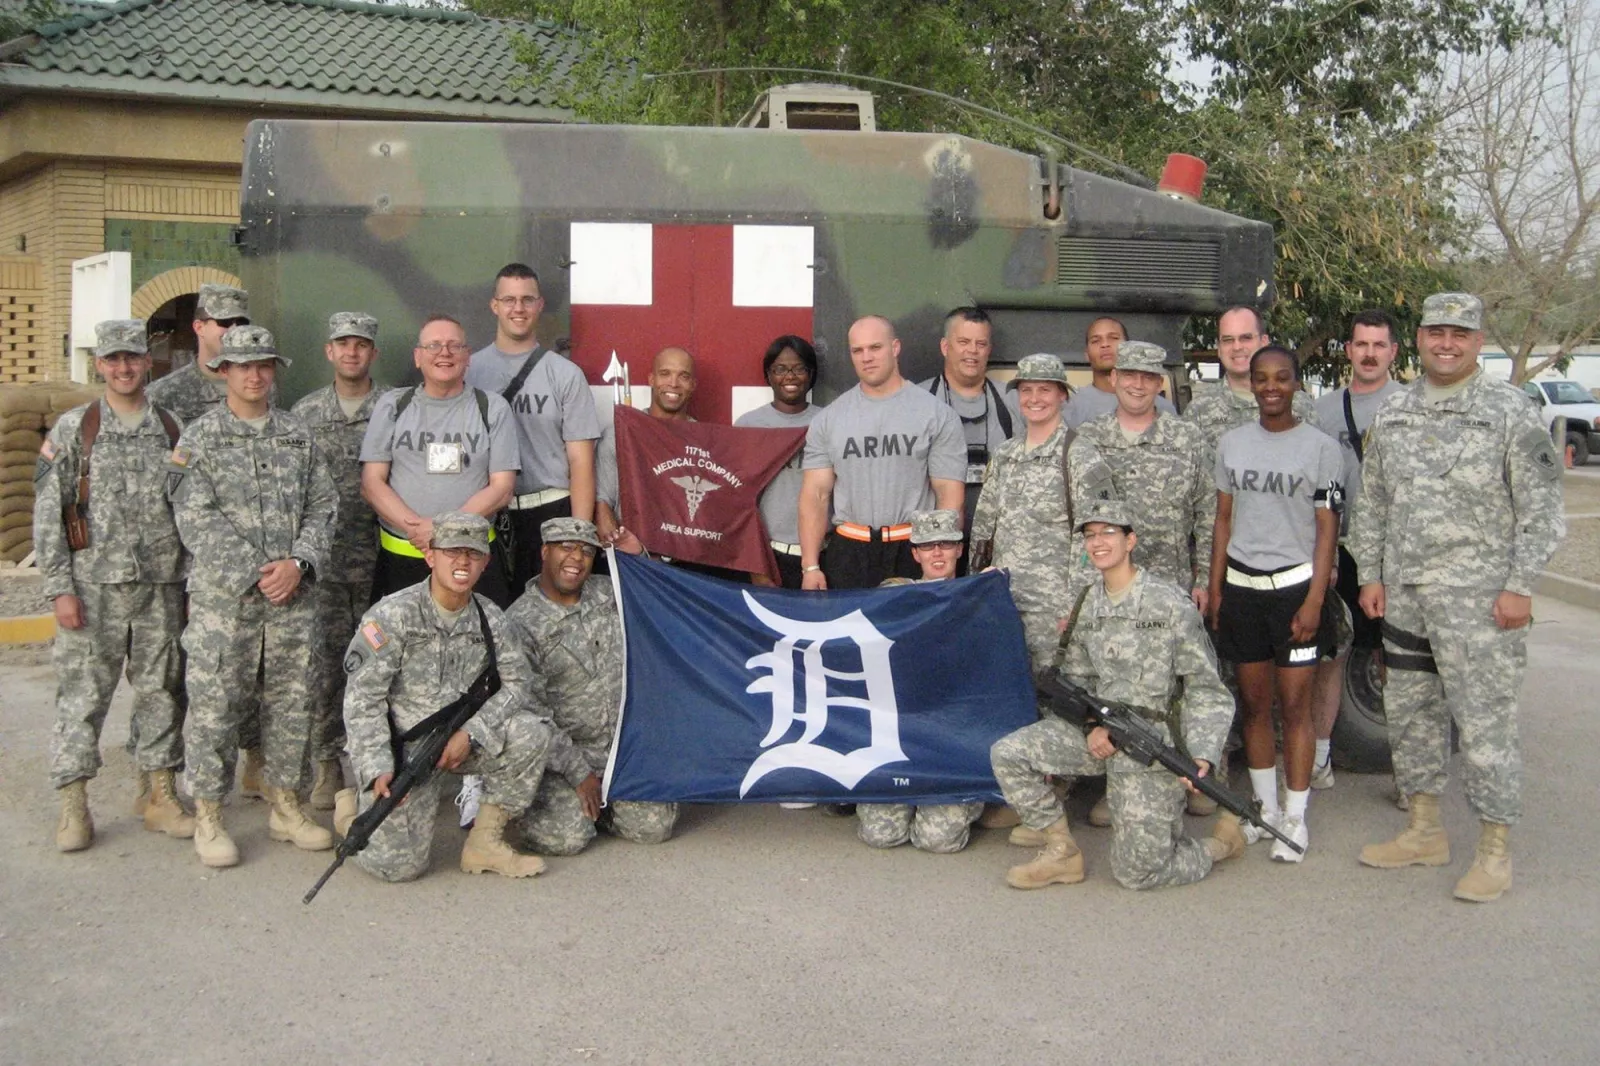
[461, 529]
[247, 344]
[120, 335]
[222, 302]
[935, 527]
[1452, 309]
[1142, 356]
[563, 530]
[352, 324]
[1106, 512]
[1041, 366]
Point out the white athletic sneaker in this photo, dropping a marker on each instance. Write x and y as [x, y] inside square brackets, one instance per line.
[468, 798]
[1295, 830]
[1253, 833]
[797, 806]
[1322, 776]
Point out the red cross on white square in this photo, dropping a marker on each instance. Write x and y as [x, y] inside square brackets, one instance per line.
[721, 291]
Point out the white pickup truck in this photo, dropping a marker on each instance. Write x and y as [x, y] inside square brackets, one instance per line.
[1569, 400]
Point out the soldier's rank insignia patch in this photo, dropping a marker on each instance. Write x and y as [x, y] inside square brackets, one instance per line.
[375, 637]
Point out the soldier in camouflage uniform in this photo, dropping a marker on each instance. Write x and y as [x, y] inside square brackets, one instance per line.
[567, 625]
[1229, 403]
[937, 827]
[1158, 465]
[1459, 510]
[119, 598]
[419, 650]
[255, 505]
[337, 416]
[1021, 523]
[189, 392]
[1140, 641]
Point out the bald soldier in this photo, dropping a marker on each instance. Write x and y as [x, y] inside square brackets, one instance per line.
[672, 383]
[875, 456]
[1460, 508]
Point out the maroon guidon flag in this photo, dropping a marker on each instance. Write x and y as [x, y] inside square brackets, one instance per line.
[689, 489]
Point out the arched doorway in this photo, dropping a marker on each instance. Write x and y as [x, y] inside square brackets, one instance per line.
[166, 302]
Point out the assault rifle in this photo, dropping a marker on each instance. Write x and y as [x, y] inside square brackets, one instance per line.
[1140, 740]
[429, 738]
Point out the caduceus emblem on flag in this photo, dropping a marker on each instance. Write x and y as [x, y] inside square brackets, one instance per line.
[695, 489]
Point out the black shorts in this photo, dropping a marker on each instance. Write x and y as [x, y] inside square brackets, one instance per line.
[859, 564]
[789, 575]
[1253, 624]
[1368, 631]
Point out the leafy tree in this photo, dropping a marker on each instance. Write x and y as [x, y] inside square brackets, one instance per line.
[19, 19]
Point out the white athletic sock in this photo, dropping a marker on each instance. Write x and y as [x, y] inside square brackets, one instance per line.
[1323, 751]
[1265, 784]
[1295, 804]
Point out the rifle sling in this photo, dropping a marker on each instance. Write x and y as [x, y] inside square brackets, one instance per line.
[490, 674]
[89, 432]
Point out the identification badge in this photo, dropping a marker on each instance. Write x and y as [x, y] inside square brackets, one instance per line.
[444, 457]
[975, 473]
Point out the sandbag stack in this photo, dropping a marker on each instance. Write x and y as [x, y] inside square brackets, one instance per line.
[26, 413]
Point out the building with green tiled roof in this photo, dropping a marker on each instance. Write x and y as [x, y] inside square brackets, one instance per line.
[121, 130]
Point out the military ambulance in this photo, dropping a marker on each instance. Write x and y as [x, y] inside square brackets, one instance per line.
[800, 220]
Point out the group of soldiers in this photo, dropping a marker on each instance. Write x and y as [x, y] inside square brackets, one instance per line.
[300, 584]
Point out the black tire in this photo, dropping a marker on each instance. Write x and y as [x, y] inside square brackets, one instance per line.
[1579, 443]
[1361, 736]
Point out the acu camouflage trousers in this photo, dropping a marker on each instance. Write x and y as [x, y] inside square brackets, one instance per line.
[128, 625]
[337, 608]
[1149, 848]
[940, 827]
[1479, 674]
[399, 850]
[555, 824]
[238, 647]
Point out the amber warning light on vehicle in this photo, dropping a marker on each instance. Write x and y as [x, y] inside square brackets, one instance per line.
[1183, 177]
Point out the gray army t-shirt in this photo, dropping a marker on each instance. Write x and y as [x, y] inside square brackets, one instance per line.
[780, 500]
[1273, 479]
[1089, 402]
[1363, 408]
[439, 452]
[553, 406]
[982, 425]
[883, 452]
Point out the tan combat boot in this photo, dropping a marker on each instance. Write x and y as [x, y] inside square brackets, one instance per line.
[251, 784]
[346, 805]
[212, 842]
[1227, 839]
[141, 798]
[1490, 874]
[163, 813]
[486, 850]
[288, 822]
[998, 816]
[326, 783]
[1059, 862]
[1200, 805]
[1023, 837]
[1422, 844]
[1100, 813]
[75, 831]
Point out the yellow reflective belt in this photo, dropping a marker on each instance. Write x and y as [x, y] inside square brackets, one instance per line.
[391, 543]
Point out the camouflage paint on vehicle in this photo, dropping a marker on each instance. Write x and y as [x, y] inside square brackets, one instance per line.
[401, 219]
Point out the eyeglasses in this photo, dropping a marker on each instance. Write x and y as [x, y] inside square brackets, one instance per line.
[453, 347]
[1103, 533]
[779, 371]
[229, 323]
[589, 550]
[519, 301]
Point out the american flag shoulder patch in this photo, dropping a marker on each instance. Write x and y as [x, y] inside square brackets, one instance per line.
[375, 637]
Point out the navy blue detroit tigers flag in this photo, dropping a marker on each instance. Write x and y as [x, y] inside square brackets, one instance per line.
[737, 692]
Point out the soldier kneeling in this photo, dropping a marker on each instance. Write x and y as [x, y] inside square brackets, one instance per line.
[937, 827]
[1133, 639]
[416, 651]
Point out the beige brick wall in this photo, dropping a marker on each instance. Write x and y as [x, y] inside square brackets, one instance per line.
[171, 194]
[21, 319]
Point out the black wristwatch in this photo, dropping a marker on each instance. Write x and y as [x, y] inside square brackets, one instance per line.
[305, 568]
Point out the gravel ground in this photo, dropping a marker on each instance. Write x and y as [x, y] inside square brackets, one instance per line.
[21, 595]
[1579, 554]
[1582, 493]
